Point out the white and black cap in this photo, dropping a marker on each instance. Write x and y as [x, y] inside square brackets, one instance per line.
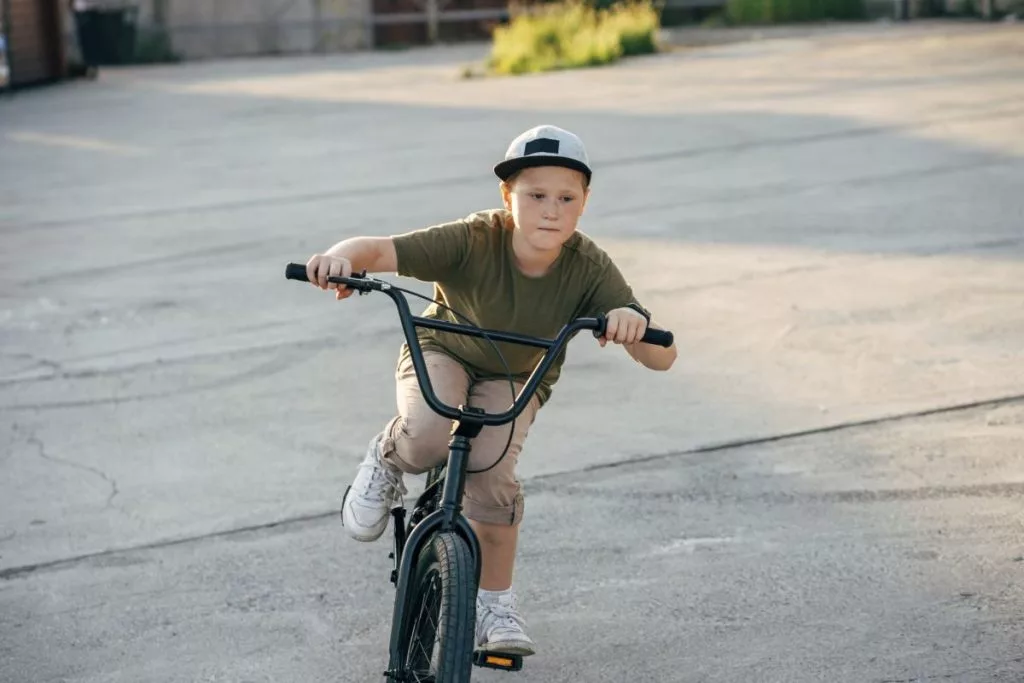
[544, 146]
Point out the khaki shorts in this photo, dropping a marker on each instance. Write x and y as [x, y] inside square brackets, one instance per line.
[418, 438]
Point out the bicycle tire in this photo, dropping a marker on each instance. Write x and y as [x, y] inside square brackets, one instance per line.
[439, 632]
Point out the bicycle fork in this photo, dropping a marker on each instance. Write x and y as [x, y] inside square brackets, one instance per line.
[447, 518]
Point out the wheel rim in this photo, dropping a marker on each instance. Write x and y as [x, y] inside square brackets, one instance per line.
[423, 645]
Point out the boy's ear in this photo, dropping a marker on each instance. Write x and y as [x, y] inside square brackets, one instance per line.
[506, 195]
[586, 196]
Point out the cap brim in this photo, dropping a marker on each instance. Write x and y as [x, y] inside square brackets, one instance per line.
[507, 168]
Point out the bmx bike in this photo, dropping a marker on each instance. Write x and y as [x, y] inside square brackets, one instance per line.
[436, 553]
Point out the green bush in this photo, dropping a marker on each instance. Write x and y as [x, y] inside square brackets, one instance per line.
[783, 11]
[637, 27]
[573, 34]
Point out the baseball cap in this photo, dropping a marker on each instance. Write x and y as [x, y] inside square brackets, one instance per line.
[544, 146]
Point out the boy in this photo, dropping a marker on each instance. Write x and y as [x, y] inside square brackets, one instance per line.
[523, 268]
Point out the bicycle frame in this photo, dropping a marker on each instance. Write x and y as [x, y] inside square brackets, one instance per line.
[467, 425]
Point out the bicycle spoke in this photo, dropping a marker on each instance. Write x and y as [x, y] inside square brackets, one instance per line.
[434, 608]
[426, 614]
[420, 657]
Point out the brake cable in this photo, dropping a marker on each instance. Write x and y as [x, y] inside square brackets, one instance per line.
[483, 332]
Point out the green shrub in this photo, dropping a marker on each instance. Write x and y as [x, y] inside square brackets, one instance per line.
[637, 27]
[573, 34]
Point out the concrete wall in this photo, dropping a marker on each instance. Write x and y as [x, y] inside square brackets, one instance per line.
[203, 29]
[219, 28]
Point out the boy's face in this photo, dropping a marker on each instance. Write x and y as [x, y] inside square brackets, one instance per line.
[546, 203]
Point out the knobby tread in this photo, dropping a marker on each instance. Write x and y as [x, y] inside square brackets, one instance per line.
[458, 626]
[457, 618]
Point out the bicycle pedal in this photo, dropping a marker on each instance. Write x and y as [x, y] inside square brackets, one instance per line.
[498, 660]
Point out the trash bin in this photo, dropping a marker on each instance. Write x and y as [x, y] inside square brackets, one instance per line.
[106, 32]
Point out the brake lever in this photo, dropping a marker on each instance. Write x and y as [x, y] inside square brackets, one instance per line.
[356, 276]
[361, 276]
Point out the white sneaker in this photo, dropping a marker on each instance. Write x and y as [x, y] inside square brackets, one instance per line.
[371, 496]
[499, 627]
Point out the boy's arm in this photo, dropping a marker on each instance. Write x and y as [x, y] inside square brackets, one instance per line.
[650, 355]
[429, 254]
[626, 327]
[372, 254]
[356, 254]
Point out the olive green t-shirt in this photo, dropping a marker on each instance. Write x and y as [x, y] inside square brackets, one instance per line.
[473, 268]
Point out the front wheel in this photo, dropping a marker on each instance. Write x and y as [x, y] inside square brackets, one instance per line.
[439, 631]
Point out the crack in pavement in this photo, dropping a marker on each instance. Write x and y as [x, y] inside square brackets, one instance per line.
[114, 490]
[35, 361]
[888, 495]
[126, 267]
[227, 354]
[14, 572]
[60, 374]
[785, 436]
[18, 571]
[277, 364]
[956, 674]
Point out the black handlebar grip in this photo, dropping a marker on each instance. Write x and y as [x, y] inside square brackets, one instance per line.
[651, 336]
[658, 337]
[296, 271]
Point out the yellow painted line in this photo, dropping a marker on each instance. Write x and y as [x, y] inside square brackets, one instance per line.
[74, 142]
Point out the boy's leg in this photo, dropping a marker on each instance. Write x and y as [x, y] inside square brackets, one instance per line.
[413, 442]
[493, 503]
[417, 439]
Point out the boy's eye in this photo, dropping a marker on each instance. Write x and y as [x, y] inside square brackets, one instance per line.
[537, 195]
[567, 199]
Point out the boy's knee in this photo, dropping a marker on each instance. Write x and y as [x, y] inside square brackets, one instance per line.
[422, 443]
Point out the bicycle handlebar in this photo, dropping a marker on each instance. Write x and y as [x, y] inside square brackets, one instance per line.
[362, 284]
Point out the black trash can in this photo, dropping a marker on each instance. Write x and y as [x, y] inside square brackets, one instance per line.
[106, 33]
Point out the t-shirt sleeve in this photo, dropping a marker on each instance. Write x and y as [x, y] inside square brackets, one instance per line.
[611, 292]
[435, 253]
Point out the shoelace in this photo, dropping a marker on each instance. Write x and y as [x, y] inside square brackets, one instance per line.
[506, 616]
[381, 480]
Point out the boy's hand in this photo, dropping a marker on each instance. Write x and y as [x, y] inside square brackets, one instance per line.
[625, 326]
[320, 267]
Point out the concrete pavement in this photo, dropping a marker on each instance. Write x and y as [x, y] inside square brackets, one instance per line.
[834, 231]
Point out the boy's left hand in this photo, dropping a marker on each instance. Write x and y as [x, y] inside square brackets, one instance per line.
[625, 326]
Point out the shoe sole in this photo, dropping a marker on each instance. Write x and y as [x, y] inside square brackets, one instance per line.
[362, 538]
[510, 647]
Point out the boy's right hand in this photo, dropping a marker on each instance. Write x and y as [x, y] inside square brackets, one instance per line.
[321, 266]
